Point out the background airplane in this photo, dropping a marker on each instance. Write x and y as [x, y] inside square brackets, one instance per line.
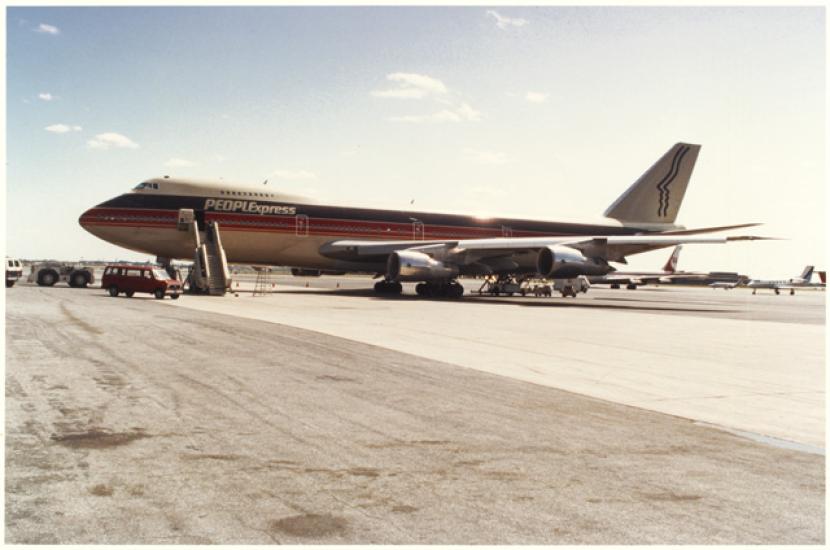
[802, 281]
[670, 275]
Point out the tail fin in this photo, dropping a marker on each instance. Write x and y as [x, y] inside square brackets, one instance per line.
[656, 196]
[671, 265]
[822, 276]
[807, 274]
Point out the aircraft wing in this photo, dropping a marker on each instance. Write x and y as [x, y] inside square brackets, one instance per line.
[468, 251]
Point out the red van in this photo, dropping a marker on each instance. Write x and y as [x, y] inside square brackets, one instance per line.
[130, 279]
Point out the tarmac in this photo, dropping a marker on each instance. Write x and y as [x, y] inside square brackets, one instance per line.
[327, 415]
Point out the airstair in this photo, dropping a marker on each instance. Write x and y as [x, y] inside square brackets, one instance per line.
[263, 283]
[210, 274]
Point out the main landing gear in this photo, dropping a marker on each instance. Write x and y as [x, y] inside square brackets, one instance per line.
[388, 287]
[451, 289]
[446, 289]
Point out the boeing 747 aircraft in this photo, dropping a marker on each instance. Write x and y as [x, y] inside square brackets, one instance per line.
[175, 218]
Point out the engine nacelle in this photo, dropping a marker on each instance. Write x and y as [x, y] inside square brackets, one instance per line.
[564, 262]
[411, 265]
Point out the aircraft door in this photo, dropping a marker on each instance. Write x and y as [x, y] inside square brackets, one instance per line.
[418, 231]
[301, 221]
[186, 217]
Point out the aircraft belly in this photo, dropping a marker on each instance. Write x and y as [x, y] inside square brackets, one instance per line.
[166, 242]
[274, 249]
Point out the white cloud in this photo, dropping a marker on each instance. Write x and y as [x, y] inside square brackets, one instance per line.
[458, 114]
[111, 140]
[536, 97]
[504, 22]
[440, 116]
[486, 157]
[62, 128]
[179, 163]
[47, 29]
[412, 86]
[292, 175]
[46, 96]
[468, 113]
[419, 86]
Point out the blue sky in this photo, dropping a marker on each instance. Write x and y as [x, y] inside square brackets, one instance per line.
[538, 112]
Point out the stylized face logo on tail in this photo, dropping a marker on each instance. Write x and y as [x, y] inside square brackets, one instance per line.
[663, 185]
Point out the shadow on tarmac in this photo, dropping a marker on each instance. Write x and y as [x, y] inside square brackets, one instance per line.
[526, 301]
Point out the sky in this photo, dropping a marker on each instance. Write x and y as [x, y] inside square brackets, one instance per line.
[534, 112]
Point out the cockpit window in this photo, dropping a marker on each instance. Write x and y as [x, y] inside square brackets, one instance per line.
[146, 185]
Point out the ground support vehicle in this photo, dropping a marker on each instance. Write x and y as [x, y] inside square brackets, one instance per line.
[14, 271]
[129, 279]
[502, 285]
[570, 287]
[49, 273]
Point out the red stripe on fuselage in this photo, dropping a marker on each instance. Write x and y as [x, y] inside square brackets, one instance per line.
[334, 227]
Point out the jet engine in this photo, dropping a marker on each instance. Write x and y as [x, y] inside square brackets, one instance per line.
[411, 265]
[564, 262]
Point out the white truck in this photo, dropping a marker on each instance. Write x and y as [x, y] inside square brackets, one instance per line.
[49, 273]
[14, 271]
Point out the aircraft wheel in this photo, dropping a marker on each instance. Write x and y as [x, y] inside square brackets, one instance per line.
[47, 277]
[388, 287]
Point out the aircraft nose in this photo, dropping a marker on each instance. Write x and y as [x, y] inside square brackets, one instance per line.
[87, 220]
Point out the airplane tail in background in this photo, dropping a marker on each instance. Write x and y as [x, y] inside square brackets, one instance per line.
[822, 276]
[807, 274]
[671, 265]
[656, 196]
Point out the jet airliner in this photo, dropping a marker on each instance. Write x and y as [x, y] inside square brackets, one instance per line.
[260, 226]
